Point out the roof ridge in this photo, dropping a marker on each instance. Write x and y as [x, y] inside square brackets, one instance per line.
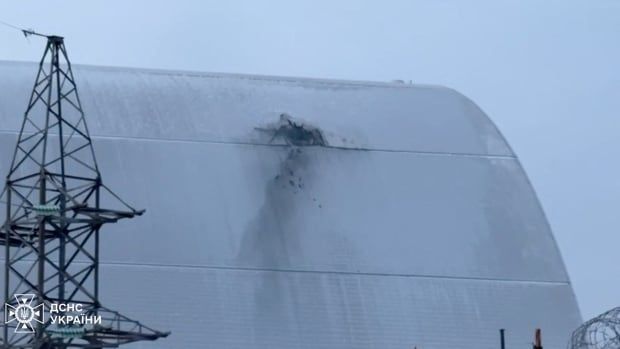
[243, 76]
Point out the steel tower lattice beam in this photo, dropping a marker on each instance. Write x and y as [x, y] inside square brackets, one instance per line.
[54, 214]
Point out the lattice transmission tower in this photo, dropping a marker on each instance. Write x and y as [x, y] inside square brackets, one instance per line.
[56, 205]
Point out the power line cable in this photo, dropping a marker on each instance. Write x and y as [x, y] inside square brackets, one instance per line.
[26, 32]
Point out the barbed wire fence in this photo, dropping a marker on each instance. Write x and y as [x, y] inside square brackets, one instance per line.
[601, 332]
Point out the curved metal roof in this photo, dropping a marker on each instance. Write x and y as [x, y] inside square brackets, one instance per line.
[415, 226]
[226, 108]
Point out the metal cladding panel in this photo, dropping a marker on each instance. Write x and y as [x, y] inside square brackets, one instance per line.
[227, 108]
[266, 309]
[321, 209]
[416, 226]
[233, 308]
[332, 210]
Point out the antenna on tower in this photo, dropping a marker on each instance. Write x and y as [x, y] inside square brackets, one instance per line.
[56, 204]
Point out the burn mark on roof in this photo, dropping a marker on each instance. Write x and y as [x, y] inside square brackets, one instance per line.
[294, 132]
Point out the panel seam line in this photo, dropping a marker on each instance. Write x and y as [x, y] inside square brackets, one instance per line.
[382, 150]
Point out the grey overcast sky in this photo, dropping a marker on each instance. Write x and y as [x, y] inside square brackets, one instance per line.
[546, 72]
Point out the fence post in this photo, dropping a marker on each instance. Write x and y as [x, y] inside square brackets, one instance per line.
[537, 340]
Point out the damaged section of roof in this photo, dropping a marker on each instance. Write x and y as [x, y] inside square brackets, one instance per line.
[134, 103]
[294, 132]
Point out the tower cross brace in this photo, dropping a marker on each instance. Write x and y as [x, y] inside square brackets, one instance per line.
[54, 201]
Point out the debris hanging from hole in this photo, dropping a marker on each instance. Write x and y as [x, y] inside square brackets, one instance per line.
[295, 133]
